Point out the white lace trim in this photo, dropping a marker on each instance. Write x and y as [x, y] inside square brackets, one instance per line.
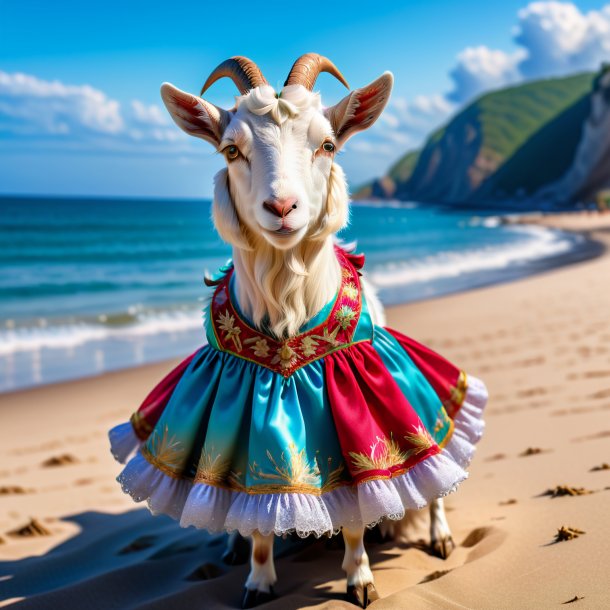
[123, 442]
[215, 509]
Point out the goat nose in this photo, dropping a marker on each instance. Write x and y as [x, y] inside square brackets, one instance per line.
[281, 207]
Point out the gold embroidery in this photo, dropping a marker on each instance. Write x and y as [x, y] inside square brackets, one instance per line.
[458, 393]
[334, 477]
[421, 439]
[140, 426]
[226, 322]
[286, 356]
[344, 316]
[211, 468]
[329, 337]
[260, 347]
[294, 469]
[166, 450]
[384, 454]
[308, 346]
[350, 291]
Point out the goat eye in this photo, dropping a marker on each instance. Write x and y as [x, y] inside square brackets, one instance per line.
[328, 147]
[231, 152]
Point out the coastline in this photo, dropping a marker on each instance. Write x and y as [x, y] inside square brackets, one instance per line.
[63, 353]
[541, 344]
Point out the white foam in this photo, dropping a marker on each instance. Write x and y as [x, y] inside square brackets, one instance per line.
[63, 336]
[540, 243]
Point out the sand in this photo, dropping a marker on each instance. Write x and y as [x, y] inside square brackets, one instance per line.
[542, 345]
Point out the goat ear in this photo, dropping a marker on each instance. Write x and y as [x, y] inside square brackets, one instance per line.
[224, 214]
[360, 109]
[195, 116]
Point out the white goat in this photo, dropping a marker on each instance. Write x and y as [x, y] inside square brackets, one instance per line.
[279, 202]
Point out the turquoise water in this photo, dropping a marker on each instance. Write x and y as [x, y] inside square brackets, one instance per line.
[88, 286]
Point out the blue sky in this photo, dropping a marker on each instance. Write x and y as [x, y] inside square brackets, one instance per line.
[79, 82]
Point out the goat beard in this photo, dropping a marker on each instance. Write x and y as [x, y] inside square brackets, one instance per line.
[282, 289]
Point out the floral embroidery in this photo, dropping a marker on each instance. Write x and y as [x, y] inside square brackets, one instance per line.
[167, 451]
[385, 453]
[212, 468]
[344, 316]
[286, 356]
[226, 322]
[421, 440]
[260, 347]
[293, 469]
[350, 291]
[334, 476]
[329, 337]
[308, 346]
[458, 393]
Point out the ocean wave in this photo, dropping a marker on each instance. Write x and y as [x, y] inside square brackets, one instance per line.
[539, 243]
[126, 326]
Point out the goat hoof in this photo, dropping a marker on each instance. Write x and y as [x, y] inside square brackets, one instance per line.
[237, 553]
[444, 547]
[362, 595]
[253, 597]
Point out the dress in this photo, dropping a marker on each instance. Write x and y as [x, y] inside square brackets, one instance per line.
[344, 424]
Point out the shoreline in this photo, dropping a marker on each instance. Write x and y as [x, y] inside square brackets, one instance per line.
[590, 248]
[542, 346]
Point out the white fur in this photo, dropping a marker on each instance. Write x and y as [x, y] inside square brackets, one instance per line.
[262, 575]
[356, 561]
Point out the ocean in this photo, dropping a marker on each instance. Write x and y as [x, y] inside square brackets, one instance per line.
[88, 286]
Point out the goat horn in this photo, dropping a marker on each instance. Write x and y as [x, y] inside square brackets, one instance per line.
[241, 70]
[307, 68]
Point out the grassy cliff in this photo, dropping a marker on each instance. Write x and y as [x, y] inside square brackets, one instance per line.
[504, 144]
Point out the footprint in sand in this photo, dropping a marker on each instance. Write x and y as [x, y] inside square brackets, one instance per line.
[495, 457]
[592, 437]
[207, 571]
[13, 490]
[176, 548]
[139, 544]
[508, 502]
[30, 530]
[433, 576]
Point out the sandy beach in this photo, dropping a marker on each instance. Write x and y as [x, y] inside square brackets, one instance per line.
[69, 537]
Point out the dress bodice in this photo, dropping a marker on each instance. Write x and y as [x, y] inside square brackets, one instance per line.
[343, 321]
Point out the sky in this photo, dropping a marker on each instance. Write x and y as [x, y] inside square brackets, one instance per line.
[80, 112]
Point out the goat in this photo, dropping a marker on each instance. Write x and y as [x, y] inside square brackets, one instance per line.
[279, 202]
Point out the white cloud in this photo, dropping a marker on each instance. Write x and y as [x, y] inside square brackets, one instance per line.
[555, 39]
[149, 115]
[558, 38]
[67, 114]
[54, 108]
[481, 68]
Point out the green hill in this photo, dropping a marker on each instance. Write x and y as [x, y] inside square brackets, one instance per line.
[504, 144]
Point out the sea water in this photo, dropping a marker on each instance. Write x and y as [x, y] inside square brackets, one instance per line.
[88, 286]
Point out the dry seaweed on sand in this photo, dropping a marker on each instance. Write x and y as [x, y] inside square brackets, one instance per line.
[566, 490]
[59, 460]
[604, 466]
[574, 599]
[567, 533]
[531, 451]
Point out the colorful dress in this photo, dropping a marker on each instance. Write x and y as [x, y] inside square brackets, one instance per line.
[341, 425]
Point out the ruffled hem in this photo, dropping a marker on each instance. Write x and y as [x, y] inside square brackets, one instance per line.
[216, 509]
